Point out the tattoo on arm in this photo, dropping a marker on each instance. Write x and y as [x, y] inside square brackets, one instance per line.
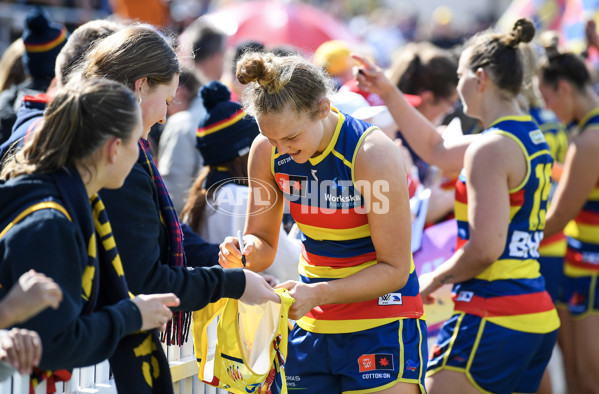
[446, 279]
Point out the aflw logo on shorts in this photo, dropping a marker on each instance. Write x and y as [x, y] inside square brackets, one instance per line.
[371, 362]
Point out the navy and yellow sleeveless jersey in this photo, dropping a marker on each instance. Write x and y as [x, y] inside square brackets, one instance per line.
[552, 249]
[556, 134]
[582, 256]
[511, 291]
[329, 211]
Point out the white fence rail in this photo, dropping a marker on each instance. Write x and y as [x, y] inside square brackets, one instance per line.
[96, 379]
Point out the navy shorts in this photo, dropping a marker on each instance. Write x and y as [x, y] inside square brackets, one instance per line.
[552, 269]
[582, 295]
[358, 362]
[495, 359]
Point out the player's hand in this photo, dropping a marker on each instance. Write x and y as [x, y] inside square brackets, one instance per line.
[428, 285]
[229, 255]
[371, 78]
[304, 296]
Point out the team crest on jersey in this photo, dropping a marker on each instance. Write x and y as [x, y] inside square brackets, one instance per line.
[391, 299]
[294, 185]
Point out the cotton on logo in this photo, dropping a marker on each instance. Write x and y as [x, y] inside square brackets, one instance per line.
[224, 198]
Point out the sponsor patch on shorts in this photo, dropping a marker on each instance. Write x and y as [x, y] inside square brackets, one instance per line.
[372, 362]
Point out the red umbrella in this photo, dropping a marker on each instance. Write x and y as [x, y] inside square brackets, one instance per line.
[280, 23]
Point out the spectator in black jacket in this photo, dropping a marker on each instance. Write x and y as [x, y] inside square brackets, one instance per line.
[155, 248]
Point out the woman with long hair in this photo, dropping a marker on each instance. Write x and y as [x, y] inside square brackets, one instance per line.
[502, 333]
[53, 221]
[359, 318]
[217, 202]
[155, 248]
[567, 90]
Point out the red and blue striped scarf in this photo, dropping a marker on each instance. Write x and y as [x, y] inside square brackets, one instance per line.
[177, 330]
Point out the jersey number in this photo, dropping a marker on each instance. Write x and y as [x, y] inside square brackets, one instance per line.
[537, 215]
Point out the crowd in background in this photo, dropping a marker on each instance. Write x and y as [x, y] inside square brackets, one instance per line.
[437, 94]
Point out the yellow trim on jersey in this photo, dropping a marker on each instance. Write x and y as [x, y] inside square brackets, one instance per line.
[273, 157]
[344, 234]
[316, 160]
[588, 116]
[342, 158]
[535, 323]
[520, 118]
[539, 153]
[461, 211]
[358, 145]
[588, 233]
[594, 196]
[315, 271]
[572, 271]
[321, 326]
[35, 207]
[513, 211]
[511, 269]
[523, 148]
[554, 249]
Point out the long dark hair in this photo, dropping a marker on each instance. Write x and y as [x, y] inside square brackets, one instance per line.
[423, 66]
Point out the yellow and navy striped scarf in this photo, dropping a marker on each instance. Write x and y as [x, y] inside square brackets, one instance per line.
[139, 364]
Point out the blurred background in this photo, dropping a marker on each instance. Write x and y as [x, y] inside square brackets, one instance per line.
[381, 25]
[377, 22]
